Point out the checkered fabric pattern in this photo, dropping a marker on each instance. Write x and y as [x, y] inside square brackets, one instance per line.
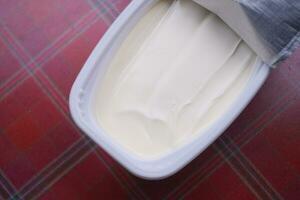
[43, 155]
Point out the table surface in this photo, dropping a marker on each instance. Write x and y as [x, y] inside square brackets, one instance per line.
[43, 155]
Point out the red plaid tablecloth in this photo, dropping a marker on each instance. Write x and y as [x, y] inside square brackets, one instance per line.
[43, 155]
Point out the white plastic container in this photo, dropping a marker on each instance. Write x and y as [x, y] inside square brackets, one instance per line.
[82, 92]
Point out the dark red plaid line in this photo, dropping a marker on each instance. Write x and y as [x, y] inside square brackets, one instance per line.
[119, 176]
[55, 175]
[260, 122]
[56, 169]
[18, 76]
[229, 157]
[123, 178]
[99, 4]
[196, 178]
[11, 81]
[8, 37]
[45, 55]
[62, 165]
[249, 132]
[248, 174]
[52, 89]
[251, 168]
[40, 78]
[6, 189]
[67, 37]
[111, 6]
[59, 168]
[16, 80]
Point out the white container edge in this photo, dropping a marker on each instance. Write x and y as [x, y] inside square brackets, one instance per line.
[172, 162]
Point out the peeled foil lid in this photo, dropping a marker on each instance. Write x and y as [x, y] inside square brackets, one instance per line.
[270, 27]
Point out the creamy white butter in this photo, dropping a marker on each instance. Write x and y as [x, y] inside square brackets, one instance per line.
[177, 72]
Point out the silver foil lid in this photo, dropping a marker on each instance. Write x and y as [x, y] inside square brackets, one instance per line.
[270, 27]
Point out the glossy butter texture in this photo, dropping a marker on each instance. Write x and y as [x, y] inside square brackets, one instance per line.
[177, 72]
